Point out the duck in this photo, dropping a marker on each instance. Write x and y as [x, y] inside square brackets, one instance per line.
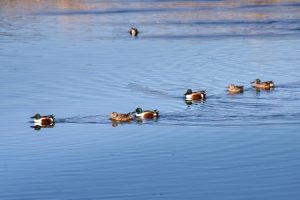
[47, 120]
[262, 85]
[121, 117]
[190, 95]
[235, 88]
[146, 114]
[134, 31]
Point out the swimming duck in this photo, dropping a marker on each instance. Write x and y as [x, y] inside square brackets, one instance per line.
[146, 114]
[43, 120]
[190, 95]
[235, 88]
[262, 85]
[134, 31]
[121, 117]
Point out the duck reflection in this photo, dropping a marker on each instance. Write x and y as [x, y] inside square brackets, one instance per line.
[259, 90]
[195, 102]
[38, 127]
[235, 93]
[117, 123]
[142, 120]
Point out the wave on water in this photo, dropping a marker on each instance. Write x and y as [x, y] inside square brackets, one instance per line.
[90, 119]
[192, 118]
[148, 91]
[220, 109]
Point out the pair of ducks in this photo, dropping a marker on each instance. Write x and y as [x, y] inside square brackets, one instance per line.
[49, 120]
[139, 113]
[258, 84]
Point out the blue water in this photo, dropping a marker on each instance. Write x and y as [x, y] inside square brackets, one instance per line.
[76, 60]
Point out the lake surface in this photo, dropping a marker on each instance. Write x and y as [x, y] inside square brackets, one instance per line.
[76, 60]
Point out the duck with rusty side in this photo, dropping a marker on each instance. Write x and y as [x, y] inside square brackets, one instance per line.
[258, 84]
[190, 95]
[146, 114]
[43, 121]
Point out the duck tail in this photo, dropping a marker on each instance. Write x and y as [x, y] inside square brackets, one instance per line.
[52, 116]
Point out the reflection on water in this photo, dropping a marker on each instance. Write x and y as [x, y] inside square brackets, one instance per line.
[195, 102]
[116, 123]
[194, 19]
[39, 127]
[76, 59]
[258, 90]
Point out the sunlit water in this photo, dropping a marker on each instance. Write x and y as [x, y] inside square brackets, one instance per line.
[76, 59]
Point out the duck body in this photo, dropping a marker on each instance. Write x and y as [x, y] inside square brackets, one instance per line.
[134, 31]
[263, 85]
[235, 88]
[146, 114]
[199, 95]
[43, 120]
[121, 117]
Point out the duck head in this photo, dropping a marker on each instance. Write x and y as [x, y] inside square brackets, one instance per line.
[113, 114]
[257, 81]
[36, 116]
[139, 110]
[189, 91]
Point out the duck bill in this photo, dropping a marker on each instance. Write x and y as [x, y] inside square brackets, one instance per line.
[32, 117]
